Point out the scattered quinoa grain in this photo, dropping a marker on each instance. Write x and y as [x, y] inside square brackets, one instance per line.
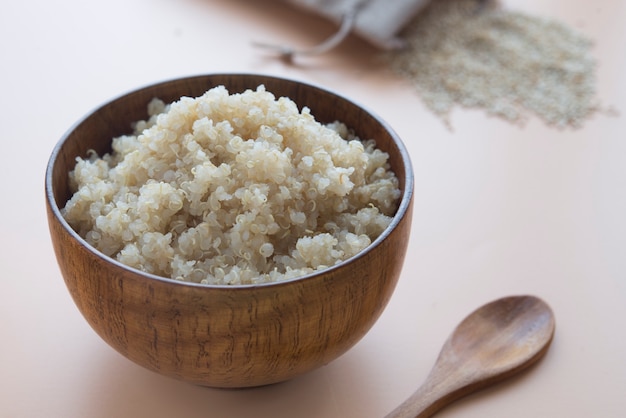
[476, 54]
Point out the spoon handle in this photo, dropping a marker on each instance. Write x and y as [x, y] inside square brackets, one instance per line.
[423, 403]
[435, 393]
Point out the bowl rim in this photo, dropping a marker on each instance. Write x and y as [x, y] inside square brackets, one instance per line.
[401, 212]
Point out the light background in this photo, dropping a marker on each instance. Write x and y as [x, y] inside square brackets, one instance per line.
[499, 210]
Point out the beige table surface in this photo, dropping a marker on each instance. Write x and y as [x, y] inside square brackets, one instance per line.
[499, 210]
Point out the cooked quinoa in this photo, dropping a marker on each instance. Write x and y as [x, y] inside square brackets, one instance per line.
[233, 189]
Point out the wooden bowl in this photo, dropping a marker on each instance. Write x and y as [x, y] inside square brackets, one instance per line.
[227, 336]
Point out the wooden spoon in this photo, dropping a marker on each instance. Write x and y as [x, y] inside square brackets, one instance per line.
[494, 342]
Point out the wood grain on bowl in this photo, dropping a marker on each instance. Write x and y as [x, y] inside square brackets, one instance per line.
[221, 336]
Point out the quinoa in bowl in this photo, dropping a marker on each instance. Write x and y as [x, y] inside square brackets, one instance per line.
[231, 189]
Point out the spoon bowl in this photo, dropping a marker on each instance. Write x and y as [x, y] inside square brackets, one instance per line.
[493, 343]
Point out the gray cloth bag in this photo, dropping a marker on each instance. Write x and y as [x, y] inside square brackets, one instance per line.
[377, 21]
